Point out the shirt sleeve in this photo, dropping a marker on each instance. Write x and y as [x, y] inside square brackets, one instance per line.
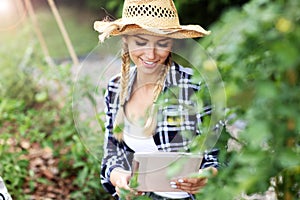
[114, 152]
[210, 157]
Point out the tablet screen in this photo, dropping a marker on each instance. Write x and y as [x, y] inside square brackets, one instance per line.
[154, 171]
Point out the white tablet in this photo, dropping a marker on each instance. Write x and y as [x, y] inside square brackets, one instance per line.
[154, 171]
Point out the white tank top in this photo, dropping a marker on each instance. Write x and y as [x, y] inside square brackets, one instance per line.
[134, 138]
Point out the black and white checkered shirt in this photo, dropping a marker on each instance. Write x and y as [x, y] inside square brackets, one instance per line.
[166, 137]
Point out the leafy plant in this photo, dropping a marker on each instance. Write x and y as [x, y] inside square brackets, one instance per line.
[258, 56]
[32, 118]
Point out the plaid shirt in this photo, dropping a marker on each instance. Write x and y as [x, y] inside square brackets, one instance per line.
[118, 154]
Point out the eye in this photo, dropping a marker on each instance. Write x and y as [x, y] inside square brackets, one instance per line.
[140, 43]
[163, 44]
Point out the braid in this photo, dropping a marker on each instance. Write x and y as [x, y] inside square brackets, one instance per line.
[152, 120]
[123, 92]
[162, 77]
[124, 73]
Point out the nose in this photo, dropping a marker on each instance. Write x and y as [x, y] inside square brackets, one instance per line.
[150, 53]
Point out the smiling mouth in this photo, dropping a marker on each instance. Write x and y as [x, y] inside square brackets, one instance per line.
[149, 63]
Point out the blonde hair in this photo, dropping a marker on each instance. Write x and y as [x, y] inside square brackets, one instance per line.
[151, 122]
[119, 120]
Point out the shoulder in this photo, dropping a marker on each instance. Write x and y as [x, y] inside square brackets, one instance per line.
[114, 81]
[182, 70]
[113, 87]
[179, 75]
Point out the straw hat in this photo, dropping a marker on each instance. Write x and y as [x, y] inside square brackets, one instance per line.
[153, 17]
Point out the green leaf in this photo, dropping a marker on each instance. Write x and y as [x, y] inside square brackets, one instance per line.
[118, 129]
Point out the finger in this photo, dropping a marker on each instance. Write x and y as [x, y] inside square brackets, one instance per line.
[139, 193]
[189, 189]
[196, 182]
[192, 190]
[128, 195]
[191, 181]
[118, 191]
[189, 185]
[122, 184]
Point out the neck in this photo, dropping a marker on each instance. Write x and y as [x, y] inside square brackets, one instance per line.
[142, 79]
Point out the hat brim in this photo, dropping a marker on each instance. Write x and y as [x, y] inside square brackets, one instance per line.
[119, 28]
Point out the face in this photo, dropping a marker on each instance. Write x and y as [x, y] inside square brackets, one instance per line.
[148, 52]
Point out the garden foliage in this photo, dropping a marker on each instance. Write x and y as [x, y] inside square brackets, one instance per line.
[257, 51]
[41, 154]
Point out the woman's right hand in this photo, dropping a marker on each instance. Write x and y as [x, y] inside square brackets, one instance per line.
[120, 179]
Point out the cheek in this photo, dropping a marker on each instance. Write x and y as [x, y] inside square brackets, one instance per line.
[134, 56]
[163, 54]
[134, 50]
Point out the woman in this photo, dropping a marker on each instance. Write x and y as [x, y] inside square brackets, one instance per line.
[148, 28]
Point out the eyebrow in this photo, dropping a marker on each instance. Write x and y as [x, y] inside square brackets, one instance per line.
[161, 40]
[140, 37]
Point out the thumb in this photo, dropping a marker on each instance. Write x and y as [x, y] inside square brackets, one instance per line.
[122, 183]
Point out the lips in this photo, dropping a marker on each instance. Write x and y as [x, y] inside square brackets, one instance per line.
[149, 64]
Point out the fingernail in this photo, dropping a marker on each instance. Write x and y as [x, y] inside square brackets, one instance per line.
[172, 183]
[180, 181]
[173, 186]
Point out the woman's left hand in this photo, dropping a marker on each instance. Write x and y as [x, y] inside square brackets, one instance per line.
[192, 185]
[189, 185]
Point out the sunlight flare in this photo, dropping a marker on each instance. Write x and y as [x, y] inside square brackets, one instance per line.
[5, 6]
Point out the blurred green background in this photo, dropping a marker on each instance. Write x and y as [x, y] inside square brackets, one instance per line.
[255, 45]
